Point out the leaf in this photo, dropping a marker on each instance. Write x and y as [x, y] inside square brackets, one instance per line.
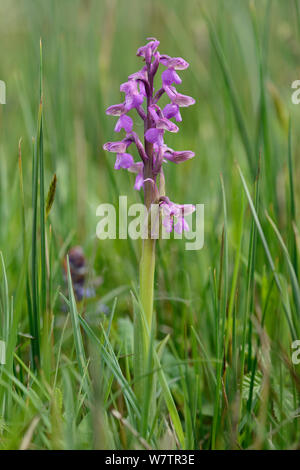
[256, 385]
[51, 195]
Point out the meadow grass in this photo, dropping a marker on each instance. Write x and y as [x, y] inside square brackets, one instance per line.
[218, 373]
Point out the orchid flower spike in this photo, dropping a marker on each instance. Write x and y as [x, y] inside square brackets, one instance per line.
[139, 94]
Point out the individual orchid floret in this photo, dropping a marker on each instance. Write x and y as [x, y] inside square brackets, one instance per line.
[124, 160]
[172, 110]
[176, 63]
[172, 211]
[178, 98]
[160, 121]
[124, 122]
[178, 157]
[169, 76]
[155, 136]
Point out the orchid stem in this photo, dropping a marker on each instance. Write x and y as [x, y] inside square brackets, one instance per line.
[147, 268]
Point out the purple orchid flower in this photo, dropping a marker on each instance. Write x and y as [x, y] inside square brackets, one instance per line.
[172, 211]
[140, 95]
[124, 160]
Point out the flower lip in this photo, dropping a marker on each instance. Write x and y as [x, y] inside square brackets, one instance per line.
[172, 110]
[154, 135]
[124, 160]
[169, 76]
[179, 211]
[124, 122]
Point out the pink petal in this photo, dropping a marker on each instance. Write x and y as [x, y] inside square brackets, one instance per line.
[176, 63]
[154, 135]
[116, 109]
[169, 76]
[115, 147]
[124, 160]
[124, 122]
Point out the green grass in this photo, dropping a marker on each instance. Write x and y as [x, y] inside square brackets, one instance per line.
[218, 373]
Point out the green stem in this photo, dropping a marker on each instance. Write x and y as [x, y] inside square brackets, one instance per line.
[147, 268]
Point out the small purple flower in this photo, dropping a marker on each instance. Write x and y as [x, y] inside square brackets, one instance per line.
[139, 95]
[172, 110]
[124, 160]
[124, 122]
[178, 157]
[172, 211]
[133, 97]
[178, 98]
[155, 136]
[169, 76]
[148, 50]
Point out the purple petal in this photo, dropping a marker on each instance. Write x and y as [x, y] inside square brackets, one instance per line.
[178, 98]
[178, 157]
[140, 75]
[137, 167]
[171, 92]
[124, 160]
[133, 101]
[124, 122]
[116, 109]
[153, 113]
[184, 100]
[139, 181]
[172, 110]
[166, 125]
[142, 88]
[176, 63]
[115, 147]
[169, 76]
[154, 135]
